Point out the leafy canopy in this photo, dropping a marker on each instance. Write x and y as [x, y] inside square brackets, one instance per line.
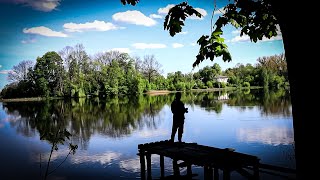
[254, 18]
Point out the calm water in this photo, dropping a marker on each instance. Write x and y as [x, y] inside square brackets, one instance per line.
[107, 133]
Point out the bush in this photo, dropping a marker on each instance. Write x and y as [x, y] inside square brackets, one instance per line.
[223, 85]
[246, 84]
[210, 84]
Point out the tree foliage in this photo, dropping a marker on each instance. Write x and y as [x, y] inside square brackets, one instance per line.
[73, 73]
[254, 18]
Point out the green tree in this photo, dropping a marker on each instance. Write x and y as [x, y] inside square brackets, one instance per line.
[48, 74]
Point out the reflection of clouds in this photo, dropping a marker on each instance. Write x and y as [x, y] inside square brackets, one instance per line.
[61, 153]
[9, 119]
[269, 135]
[133, 165]
[79, 157]
[103, 158]
[153, 133]
[130, 165]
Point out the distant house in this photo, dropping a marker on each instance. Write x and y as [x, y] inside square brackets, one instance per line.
[223, 79]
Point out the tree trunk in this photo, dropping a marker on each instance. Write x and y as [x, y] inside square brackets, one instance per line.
[299, 75]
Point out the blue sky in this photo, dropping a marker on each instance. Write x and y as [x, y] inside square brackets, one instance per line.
[30, 28]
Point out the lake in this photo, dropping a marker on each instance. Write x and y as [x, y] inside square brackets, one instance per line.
[105, 133]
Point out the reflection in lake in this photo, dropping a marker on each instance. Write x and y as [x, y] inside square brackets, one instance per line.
[107, 131]
[269, 135]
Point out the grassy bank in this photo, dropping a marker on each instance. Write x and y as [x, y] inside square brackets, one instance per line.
[22, 99]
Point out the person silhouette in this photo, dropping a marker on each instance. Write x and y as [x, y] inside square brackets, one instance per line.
[178, 110]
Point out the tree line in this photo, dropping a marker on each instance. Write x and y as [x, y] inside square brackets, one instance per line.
[71, 72]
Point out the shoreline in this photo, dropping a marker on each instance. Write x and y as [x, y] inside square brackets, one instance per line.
[151, 93]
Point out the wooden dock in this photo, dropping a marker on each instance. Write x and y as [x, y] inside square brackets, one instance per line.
[210, 158]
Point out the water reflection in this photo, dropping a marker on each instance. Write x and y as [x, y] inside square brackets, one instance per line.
[107, 131]
[105, 158]
[268, 135]
[119, 117]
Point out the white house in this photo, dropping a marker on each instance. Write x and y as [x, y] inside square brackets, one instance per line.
[220, 79]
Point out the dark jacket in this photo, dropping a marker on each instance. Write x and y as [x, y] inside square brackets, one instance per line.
[178, 110]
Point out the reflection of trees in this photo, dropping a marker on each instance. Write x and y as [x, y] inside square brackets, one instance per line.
[208, 100]
[118, 117]
[270, 102]
[83, 117]
[47, 120]
[276, 103]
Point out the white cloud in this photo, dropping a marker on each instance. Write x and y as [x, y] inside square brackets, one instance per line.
[166, 9]
[236, 32]
[134, 17]
[183, 32]
[246, 38]
[28, 41]
[4, 71]
[25, 42]
[41, 5]
[122, 50]
[177, 45]
[155, 16]
[278, 37]
[0, 66]
[243, 38]
[44, 31]
[201, 11]
[219, 11]
[90, 26]
[193, 44]
[148, 46]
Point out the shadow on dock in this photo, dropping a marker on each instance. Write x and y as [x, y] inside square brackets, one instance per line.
[211, 159]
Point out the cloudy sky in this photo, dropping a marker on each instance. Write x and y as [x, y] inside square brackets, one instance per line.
[30, 28]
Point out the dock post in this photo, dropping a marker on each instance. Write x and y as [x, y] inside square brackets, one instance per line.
[162, 165]
[256, 171]
[189, 170]
[210, 173]
[176, 170]
[148, 156]
[143, 166]
[216, 173]
[226, 174]
[205, 172]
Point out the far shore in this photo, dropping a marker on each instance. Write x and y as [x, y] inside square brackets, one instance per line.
[151, 93]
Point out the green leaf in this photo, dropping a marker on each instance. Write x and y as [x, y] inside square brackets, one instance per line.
[216, 32]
